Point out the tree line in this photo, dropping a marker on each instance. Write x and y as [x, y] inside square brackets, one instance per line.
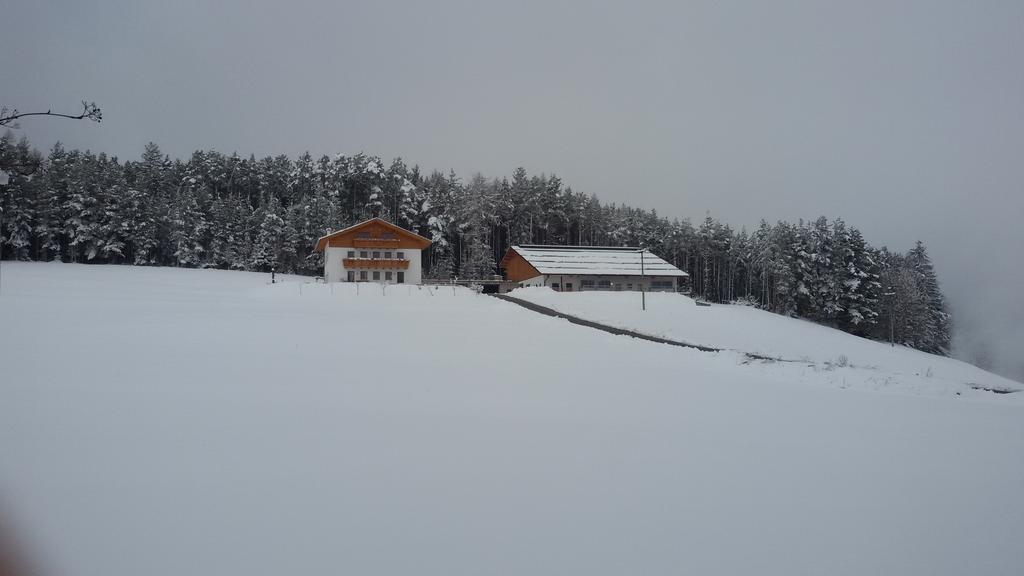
[224, 211]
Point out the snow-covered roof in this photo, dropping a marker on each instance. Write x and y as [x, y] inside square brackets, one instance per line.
[595, 261]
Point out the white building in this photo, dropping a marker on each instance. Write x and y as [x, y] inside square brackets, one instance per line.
[373, 251]
[576, 268]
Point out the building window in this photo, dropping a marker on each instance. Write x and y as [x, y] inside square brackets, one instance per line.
[362, 234]
[588, 284]
[387, 255]
[351, 254]
[555, 287]
[401, 255]
[401, 277]
[362, 274]
[568, 286]
[351, 276]
[387, 276]
[362, 254]
[376, 275]
[376, 255]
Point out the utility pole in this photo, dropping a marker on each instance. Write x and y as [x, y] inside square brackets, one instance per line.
[892, 329]
[643, 291]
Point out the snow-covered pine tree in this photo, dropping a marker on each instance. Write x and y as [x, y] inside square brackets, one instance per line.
[114, 229]
[375, 205]
[822, 278]
[303, 183]
[288, 252]
[410, 202]
[741, 257]
[17, 209]
[518, 205]
[861, 288]
[188, 227]
[442, 260]
[477, 203]
[148, 203]
[932, 325]
[804, 273]
[224, 227]
[901, 309]
[706, 251]
[267, 246]
[51, 196]
[83, 209]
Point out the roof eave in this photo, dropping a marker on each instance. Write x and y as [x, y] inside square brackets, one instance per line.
[321, 243]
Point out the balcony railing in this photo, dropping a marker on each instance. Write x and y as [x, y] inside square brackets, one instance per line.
[374, 263]
[375, 242]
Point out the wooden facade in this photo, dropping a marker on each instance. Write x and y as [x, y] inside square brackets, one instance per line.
[375, 263]
[516, 268]
[374, 233]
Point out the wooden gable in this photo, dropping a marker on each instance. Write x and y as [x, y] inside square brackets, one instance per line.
[373, 234]
[516, 267]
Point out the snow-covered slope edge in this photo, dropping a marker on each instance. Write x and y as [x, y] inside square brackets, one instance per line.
[816, 353]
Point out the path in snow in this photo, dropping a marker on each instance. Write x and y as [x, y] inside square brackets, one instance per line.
[611, 329]
[864, 363]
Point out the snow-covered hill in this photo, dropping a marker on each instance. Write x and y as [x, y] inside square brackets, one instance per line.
[161, 421]
[817, 354]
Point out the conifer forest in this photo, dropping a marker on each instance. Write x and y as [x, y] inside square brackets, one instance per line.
[215, 210]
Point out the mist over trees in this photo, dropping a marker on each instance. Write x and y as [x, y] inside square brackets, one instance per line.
[224, 211]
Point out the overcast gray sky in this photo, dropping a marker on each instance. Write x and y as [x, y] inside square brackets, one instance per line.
[904, 118]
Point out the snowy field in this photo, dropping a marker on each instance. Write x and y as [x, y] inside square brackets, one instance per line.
[822, 355]
[166, 422]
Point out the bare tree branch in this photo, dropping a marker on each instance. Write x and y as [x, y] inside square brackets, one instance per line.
[8, 117]
[90, 111]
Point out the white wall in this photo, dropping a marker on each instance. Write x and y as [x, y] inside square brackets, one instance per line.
[414, 275]
[618, 282]
[334, 265]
